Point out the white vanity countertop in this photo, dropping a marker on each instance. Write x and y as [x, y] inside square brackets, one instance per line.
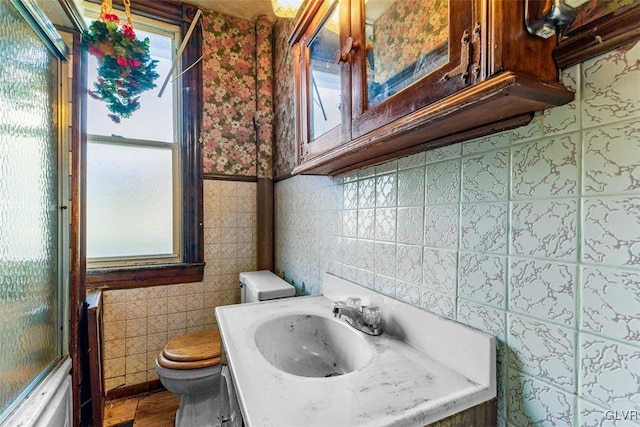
[402, 384]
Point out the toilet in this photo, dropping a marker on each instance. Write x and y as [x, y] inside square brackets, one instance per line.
[189, 366]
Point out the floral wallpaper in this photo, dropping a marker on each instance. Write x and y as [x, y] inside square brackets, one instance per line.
[229, 96]
[264, 83]
[406, 30]
[283, 99]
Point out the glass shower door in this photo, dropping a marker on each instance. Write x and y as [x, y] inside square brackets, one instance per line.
[30, 325]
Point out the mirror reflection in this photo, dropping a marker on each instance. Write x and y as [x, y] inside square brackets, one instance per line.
[324, 89]
[405, 40]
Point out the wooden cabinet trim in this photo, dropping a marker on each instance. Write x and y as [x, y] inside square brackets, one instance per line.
[477, 132]
[310, 148]
[502, 97]
[602, 35]
[427, 90]
[305, 21]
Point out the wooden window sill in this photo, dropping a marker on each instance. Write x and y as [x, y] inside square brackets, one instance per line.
[144, 276]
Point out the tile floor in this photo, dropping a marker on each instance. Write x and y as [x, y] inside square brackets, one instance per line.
[156, 409]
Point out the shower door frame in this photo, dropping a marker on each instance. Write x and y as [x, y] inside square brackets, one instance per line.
[53, 396]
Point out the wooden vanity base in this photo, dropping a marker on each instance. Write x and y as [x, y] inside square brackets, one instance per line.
[482, 415]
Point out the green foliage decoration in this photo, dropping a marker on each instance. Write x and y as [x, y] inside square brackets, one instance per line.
[125, 68]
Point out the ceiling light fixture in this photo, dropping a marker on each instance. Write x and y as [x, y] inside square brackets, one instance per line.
[286, 8]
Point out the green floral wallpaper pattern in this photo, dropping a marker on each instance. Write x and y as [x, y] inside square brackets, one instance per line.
[229, 96]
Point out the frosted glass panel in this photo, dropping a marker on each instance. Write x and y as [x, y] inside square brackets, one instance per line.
[129, 200]
[29, 342]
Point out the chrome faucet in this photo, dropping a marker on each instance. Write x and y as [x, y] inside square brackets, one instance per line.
[363, 318]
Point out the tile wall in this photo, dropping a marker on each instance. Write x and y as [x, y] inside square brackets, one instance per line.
[139, 322]
[532, 235]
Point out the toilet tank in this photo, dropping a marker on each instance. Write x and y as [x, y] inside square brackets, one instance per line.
[262, 286]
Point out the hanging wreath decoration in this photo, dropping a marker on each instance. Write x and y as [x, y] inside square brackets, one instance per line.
[125, 68]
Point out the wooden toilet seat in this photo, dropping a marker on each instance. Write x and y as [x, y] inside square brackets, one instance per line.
[196, 350]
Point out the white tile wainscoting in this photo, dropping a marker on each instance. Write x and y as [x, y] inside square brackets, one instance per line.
[532, 235]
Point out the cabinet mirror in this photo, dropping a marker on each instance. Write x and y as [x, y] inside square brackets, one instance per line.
[404, 41]
[324, 76]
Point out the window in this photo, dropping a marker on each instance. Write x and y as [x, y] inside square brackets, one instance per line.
[133, 169]
[143, 203]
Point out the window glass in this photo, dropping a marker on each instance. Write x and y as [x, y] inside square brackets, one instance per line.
[154, 120]
[129, 204]
[134, 209]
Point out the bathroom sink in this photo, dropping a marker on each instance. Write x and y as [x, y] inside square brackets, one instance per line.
[312, 346]
[422, 369]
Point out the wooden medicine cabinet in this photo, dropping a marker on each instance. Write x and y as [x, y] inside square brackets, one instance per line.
[380, 79]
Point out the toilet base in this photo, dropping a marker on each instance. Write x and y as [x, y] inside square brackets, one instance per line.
[199, 393]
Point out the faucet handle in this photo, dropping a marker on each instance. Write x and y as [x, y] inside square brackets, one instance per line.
[371, 315]
[354, 302]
